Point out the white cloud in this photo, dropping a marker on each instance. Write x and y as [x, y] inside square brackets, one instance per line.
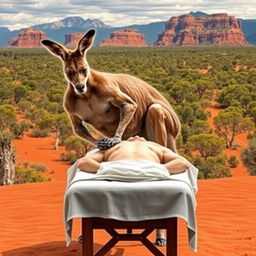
[23, 13]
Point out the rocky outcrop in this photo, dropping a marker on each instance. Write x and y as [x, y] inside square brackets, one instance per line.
[72, 39]
[29, 38]
[126, 37]
[218, 29]
[12, 42]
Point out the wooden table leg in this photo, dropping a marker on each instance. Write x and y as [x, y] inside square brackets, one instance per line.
[87, 234]
[172, 237]
[88, 224]
[129, 231]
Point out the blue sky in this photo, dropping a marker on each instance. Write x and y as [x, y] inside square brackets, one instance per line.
[17, 14]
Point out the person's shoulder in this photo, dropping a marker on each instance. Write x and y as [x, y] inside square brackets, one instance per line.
[160, 147]
[156, 145]
[152, 143]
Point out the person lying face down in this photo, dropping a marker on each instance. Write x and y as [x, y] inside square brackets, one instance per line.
[135, 148]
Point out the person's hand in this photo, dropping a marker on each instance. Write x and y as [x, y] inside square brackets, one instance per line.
[106, 143]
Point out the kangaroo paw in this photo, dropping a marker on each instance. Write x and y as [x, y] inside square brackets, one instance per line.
[106, 143]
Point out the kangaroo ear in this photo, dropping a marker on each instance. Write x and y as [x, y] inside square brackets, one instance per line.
[86, 41]
[55, 48]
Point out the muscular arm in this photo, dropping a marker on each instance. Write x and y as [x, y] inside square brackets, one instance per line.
[173, 162]
[127, 109]
[80, 130]
[91, 163]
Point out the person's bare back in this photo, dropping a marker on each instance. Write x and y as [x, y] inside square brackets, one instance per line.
[135, 148]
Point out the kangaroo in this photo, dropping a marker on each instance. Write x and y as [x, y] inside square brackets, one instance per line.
[118, 106]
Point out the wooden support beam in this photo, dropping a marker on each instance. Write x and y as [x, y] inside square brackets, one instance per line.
[89, 224]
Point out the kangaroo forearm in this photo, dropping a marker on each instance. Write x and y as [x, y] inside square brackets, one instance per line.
[127, 112]
[88, 165]
[90, 139]
[176, 166]
[82, 132]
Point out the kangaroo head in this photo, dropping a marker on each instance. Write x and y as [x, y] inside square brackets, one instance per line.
[75, 66]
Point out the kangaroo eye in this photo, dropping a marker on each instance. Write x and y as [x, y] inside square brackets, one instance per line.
[83, 70]
[69, 72]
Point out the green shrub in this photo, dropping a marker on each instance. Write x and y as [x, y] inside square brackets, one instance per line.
[76, 145]
[212, 167]
[69, 157]
[207, 145]
[40, 133]
[249, 156]
[233, 162]
[38, 167]
[24, 106]
[18, 129]
[23, 175]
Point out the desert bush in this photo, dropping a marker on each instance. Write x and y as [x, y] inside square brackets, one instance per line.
[69, 157]
[35, 114]
[207, 145]
[230, 122]
[24, 105]
[18, 129]
[76, 145]
[7, 116]
[249, 156]
[212, 167]
[200, 126]
[233, 162]
[55, 108]
[20, 92]
[23, 175]
[185, 133]
[38, 167]
[40, 133]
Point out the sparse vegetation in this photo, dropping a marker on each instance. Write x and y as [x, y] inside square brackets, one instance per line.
[35, 90]
[76, 148]
[233, 162]
[30, 172]
[249, 156]
[212, 167]
[230, 122]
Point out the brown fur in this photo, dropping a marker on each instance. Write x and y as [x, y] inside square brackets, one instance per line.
[114, 104]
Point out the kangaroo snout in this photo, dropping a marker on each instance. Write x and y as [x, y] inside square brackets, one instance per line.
[80, 87]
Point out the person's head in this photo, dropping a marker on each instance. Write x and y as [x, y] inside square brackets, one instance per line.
[136, 138]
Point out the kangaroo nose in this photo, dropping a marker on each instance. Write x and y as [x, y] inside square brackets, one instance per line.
[80, 87]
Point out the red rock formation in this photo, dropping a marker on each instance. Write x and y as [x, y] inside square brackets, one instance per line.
[12, 42]
[126, 37]
[72, 39]
[29, 38]
[218, 29]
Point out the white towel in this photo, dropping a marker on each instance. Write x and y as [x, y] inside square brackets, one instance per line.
[136, 170]
[132, 170]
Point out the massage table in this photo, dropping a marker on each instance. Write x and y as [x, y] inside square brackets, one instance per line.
[104, 203]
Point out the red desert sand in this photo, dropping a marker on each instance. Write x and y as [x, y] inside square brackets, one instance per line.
[31, 220]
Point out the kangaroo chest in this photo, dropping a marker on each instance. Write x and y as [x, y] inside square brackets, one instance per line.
[97, 111]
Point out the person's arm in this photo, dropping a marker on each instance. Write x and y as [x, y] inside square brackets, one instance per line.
[91, 163]
[174, 163]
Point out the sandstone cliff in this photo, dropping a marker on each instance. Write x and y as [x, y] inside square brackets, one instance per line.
[72, 39]
[218, 29]
[126, 37]
[29, 38]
